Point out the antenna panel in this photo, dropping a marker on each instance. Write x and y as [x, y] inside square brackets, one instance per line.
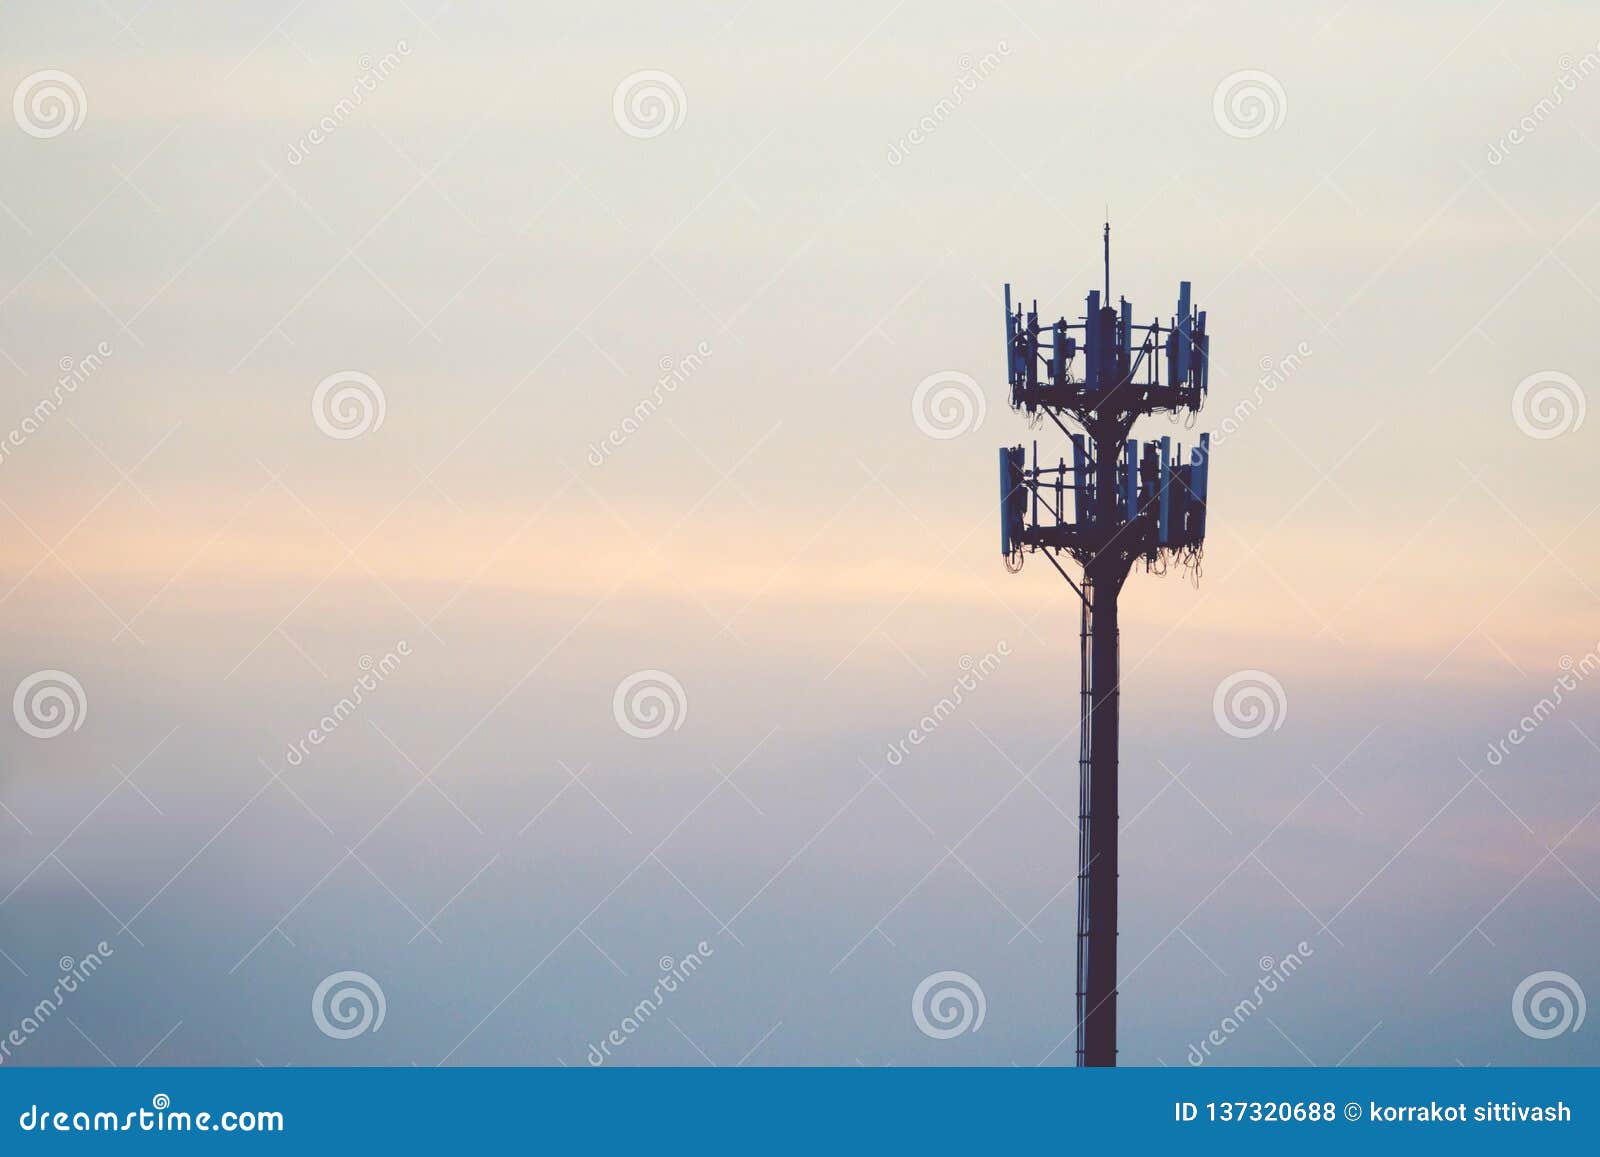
[1185, 336]
[1030, 366]
[1082, 509]
[1130, 480]
[1013, 498]
[1093, 351]
[1164, 511]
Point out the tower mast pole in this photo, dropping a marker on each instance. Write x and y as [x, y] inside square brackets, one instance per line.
[1104, 572]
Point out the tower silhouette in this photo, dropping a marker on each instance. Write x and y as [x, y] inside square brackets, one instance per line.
[1114, 505]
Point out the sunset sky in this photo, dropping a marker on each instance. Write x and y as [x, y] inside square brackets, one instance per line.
[513, 260]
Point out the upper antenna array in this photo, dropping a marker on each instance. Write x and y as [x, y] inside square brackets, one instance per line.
[1128, 366]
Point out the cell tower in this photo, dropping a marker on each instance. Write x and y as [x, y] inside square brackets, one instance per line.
[1114, 504]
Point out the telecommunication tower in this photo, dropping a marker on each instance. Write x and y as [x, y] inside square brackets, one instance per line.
[1114, 504]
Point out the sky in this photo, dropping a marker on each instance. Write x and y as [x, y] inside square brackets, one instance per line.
[551, 374]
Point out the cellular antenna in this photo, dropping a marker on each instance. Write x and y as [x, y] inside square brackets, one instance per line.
[1114, 503]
